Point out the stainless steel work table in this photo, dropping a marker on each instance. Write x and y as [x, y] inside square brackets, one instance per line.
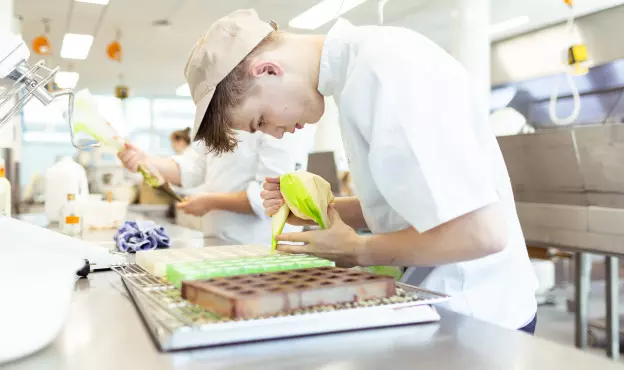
[104, 331]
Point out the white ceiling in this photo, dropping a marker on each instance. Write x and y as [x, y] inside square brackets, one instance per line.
[154, 57]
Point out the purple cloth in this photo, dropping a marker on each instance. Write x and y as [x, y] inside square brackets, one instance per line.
[141, 236]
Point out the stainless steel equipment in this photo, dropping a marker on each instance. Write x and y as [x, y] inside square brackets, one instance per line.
[569, 189]
[176, 324]
[20, 82]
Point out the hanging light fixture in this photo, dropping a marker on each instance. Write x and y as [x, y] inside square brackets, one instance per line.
[122, 91]
[41, 44]
[114, 50]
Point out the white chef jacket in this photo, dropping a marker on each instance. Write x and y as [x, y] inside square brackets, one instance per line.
[257, 156]
[419, 157]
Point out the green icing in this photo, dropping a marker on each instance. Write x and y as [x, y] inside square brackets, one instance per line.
[197, 270]
[395, 272]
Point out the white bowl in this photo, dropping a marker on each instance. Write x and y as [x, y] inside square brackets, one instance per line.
[36, 283]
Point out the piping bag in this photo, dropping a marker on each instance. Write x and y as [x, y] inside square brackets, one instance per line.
[308, 196]
[88, 120]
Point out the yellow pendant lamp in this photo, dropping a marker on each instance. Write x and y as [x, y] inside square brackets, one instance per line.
[577, 52]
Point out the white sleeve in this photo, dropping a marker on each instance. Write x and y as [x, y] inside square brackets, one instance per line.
[275, 158]
[424, 155]
[192, 165]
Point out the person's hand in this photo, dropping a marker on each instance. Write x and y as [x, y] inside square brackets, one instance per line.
[338, 243]
[197, 205]
[271, 195]
[131, 156]
[273, 201]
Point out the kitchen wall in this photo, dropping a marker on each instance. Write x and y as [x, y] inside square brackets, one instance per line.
[540, 53]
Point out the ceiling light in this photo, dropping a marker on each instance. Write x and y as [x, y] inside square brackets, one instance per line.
[99, 2]
[183, 90]
[322, 13]
[66, 80]
[76, 46]
[509, 24]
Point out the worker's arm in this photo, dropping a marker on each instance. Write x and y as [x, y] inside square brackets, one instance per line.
[132, 156]
[475, 235]
[167, 167]
[202, 203]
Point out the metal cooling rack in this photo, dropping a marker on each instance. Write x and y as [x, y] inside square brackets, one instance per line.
[177, 324]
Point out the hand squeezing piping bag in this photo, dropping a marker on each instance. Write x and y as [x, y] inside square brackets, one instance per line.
[307, 196]
[88, 120]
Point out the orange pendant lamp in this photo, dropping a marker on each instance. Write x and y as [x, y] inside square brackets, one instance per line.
[41, 44]
[114, 50]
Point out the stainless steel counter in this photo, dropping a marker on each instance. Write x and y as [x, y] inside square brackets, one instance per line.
[104, 331]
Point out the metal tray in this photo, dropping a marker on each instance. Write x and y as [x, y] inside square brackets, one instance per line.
[176, 324]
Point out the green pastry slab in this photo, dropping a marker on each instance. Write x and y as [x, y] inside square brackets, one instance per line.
[199, 270]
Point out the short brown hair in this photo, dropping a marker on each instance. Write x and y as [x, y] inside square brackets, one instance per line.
[216, 129]
[182, 135]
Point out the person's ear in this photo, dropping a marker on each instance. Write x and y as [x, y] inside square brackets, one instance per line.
[270, 68]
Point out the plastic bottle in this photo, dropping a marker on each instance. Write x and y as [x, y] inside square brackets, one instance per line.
[71, 219]
[5, 192]
[64, 177]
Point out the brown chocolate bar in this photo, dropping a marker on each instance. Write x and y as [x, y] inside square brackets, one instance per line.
[251, 296]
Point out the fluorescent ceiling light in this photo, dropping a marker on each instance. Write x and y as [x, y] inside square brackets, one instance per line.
[322, 13]
[76, 46]
[509, 24]
[99, 2]
[66, 80]
[183, 90]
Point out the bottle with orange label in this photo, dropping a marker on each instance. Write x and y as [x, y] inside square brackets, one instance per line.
[5, 192]
[71, 220]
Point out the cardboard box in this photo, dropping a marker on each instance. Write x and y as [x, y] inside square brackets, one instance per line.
[189, 221]
[149, 195]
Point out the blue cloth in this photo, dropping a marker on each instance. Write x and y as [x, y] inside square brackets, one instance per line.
[530, 327]
[141, 236]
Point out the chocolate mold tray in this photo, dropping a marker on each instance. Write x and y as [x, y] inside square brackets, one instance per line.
[258, 295]
[177, 324]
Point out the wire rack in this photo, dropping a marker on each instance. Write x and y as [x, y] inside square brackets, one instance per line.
[177, 324]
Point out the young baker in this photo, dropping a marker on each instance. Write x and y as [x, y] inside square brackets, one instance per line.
[431, 181]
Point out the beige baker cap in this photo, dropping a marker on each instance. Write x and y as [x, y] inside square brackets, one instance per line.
[228, 41]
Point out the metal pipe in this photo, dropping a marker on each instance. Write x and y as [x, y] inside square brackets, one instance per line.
[583, 272]
[612, 278]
